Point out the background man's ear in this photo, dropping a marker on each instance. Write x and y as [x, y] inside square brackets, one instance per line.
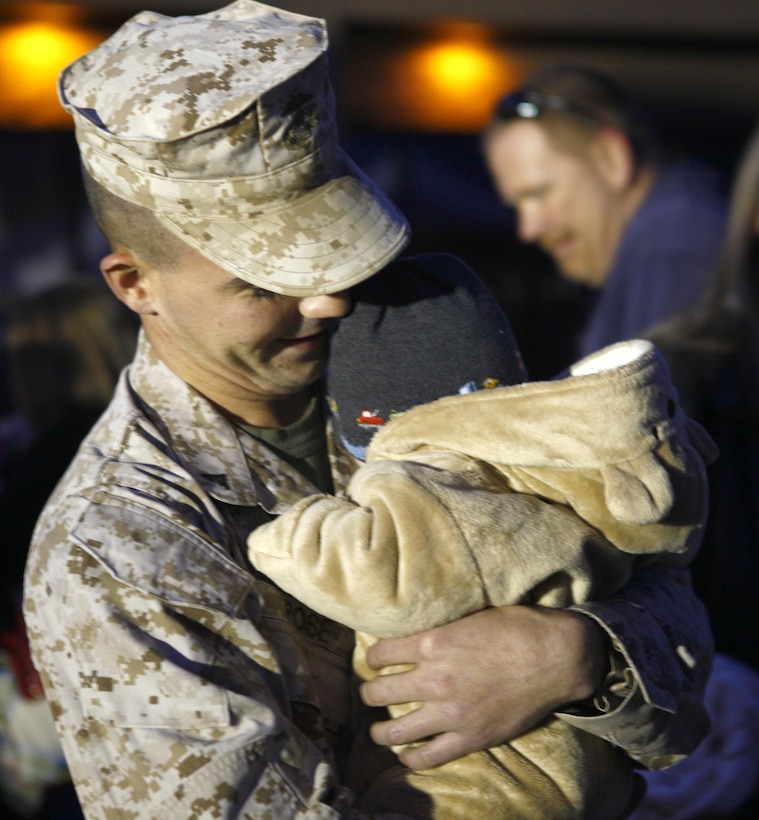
[129, 281]
[613, 155]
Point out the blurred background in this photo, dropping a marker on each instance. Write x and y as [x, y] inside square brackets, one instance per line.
[415, 80]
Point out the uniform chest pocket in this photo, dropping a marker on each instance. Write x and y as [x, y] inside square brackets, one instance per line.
[139, 663]
[146, 623]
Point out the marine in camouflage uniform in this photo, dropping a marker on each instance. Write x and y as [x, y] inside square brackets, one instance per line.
[182, 682]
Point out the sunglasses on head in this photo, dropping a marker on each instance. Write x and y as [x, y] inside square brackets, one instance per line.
[529, 105]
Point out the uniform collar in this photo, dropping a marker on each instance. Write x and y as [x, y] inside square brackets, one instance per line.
[230, 464]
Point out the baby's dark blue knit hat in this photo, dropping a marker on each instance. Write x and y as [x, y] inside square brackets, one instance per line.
[423, 328]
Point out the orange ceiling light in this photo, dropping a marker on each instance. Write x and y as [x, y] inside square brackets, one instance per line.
[33, 50]
[450, 81]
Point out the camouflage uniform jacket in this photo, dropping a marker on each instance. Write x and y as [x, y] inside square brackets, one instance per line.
[184, 684]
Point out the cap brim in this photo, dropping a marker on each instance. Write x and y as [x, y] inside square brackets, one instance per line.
[323, 241]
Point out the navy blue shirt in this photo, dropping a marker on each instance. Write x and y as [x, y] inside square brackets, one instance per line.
[667, 253]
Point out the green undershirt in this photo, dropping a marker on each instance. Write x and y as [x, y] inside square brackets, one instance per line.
[303, 445]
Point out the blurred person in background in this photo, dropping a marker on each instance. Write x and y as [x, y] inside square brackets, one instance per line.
[713, 351]
[65, 347]
[576, 156]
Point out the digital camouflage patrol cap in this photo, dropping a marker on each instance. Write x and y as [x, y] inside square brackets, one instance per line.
[223, 125]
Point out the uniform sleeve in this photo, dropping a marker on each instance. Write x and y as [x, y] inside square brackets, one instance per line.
[662, 650]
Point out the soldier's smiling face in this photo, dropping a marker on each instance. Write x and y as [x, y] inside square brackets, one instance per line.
[234, 342]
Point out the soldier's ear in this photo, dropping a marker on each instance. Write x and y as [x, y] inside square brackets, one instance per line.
[130, 280]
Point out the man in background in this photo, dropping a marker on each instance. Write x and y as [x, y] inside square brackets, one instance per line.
[577, 158]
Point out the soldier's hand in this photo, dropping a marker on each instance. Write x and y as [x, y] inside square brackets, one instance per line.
[483, 680]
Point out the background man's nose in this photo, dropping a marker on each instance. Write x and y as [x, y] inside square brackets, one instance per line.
[529, 225]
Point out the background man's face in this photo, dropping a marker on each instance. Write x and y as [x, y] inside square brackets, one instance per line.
[564, 203]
